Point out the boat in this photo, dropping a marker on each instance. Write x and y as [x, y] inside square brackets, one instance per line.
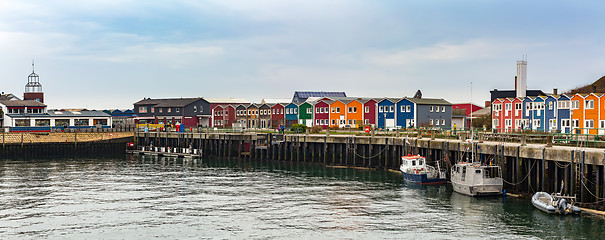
[414, 169]
[555, 203]
[476, 179]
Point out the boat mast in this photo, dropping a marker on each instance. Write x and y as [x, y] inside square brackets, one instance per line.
[471, 126]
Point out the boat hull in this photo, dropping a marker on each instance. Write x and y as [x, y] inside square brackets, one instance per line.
[422, 179]
[549, 208]
[478, 190]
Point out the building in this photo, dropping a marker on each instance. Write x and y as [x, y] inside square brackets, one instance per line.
[369, 111]
[406, 113]
[386, 113]
[252, 116]
[461, 113]
[220, 116]
[224, 102]
[291, 116]
[302, 96]
[32, 116]
[305, 113]
[564, 113]
[264, 115]
[278, 115]
[322, 113]
[22, 113]
[337, 114]
[520, 86]
[512, 93]
[275, 100]
[585, 112]
[8, 96]
[432, 112]
[121, 118]
[190, 112]
[33, 88]
[241, 116]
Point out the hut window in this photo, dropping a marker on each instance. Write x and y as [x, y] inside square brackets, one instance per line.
[589, 104]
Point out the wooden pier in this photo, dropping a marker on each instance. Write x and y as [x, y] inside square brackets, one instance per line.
[526, 168]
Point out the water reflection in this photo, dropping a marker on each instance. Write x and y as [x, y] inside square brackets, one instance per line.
[160, 197]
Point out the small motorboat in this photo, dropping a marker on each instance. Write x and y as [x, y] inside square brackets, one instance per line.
[555, 203]
[414, 169]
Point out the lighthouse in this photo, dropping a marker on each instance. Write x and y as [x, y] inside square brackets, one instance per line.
[33, 88]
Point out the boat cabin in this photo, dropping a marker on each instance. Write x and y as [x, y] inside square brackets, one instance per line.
[482, 173]
[413, 162]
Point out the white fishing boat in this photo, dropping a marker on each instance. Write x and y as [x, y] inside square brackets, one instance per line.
[475, 179]
[414, 169]
[555, 203]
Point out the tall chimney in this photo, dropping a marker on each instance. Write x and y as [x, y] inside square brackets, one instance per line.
[521, 78]
[555, 91]
[594, 88]
[515, 84]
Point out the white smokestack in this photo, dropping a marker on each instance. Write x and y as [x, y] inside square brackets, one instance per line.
[521, 78]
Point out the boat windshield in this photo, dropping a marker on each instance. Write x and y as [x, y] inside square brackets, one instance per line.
[492, 172]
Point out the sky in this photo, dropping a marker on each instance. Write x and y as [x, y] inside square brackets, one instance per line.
[106, 54]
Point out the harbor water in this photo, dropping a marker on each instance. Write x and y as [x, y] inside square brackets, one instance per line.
[143, 197]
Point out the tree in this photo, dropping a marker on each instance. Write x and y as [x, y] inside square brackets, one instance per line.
[483, 122]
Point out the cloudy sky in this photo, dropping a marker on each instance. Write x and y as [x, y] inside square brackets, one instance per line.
[111, 53]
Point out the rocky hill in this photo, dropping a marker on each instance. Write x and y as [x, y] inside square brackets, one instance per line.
[597, 86]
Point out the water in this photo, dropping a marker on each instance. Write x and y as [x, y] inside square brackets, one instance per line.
[142, 198]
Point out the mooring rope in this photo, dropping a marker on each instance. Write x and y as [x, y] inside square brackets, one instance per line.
[586, 187]
[526, 176]
[364, 157]
[561, 165]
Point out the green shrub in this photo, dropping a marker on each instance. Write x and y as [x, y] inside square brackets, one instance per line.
[298, 128]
